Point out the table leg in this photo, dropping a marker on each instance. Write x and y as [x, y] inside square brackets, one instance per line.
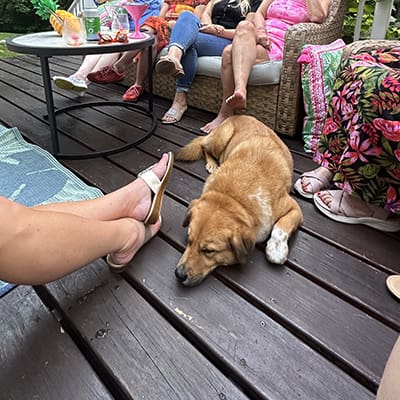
[48, 93]
[150, 77]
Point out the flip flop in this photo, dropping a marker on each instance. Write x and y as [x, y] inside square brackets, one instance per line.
[157, 186]
[352, 210]
[168, 65]
[173, 113]
[118, 268]
[393, 284]
[317, 183]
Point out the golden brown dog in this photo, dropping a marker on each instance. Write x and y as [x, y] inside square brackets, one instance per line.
[245, 200]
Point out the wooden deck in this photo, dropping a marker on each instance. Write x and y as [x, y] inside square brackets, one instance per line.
[321, 327]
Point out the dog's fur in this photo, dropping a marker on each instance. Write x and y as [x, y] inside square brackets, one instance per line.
[245, 200]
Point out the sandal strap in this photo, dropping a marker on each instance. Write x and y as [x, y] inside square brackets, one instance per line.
[316, 181]
[351, 206]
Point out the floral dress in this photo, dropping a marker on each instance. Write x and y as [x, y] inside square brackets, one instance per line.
[360, 142]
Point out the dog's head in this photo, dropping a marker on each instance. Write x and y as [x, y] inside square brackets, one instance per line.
[216, 236]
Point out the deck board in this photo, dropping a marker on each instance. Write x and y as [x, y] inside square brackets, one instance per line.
[321, 326]
[38, 360]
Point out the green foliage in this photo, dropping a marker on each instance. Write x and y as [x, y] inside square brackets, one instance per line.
[44, 7]
[367, 20]
[4, 52]
[19, 16]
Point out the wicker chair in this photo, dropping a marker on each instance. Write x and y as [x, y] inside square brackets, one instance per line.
[278, 105]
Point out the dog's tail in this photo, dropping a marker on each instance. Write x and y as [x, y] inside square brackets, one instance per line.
[192, 151]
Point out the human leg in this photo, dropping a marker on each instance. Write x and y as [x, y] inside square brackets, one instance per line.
[177, 109]
[132, 200]
[136, 90]
[183, 35]
[38, 246]
[237, 62]
[105, 71]
[389, 387]
[227, 81]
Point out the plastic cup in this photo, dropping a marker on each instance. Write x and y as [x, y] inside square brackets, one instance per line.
[74, 32]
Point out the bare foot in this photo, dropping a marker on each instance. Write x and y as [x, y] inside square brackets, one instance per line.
[237, 101]
[215, 123]
[140, 235]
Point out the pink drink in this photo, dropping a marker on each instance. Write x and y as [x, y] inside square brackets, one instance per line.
[136, 10]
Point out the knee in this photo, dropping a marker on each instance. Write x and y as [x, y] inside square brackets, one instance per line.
[244, 28]
[187, 16]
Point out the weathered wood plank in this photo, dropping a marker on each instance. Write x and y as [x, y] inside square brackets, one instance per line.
[38, 360]
[144, 354]
[256, 348]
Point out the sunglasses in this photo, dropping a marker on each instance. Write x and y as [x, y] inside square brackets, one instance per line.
[120, 37]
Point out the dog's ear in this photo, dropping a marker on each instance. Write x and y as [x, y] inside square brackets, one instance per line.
[242, 244]
[188, 215]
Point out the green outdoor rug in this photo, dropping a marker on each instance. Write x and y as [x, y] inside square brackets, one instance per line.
[31, 176]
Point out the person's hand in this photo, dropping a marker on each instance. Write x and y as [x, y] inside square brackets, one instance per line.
[212, 29]
[263, 39]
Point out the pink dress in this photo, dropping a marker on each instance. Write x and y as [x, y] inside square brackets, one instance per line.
[281, 15]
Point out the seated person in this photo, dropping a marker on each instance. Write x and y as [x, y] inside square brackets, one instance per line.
[359, 149]
[260, 40]
[192, 38]
[43, 243]
[102, 62]
[161, 27]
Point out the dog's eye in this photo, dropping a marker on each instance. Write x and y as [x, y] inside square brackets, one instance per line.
[207, 251]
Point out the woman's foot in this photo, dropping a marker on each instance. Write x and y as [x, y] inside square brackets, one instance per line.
[106, 75]
[343, 207]
[136, 198]
[215, 123]
[237, 101]
[141, 234]
[70, 83]
[313, 181]
[169, 65]
[174, 114]
[133, 93]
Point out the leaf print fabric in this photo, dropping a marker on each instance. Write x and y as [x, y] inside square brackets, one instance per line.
[360, 142]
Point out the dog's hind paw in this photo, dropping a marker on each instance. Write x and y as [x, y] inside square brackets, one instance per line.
[277, 247]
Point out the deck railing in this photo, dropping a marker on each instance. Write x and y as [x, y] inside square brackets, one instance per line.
[383, 10]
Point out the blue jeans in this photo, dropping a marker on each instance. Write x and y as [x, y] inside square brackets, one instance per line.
[185, 35]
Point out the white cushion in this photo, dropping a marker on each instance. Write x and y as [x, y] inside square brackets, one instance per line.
[265, 73]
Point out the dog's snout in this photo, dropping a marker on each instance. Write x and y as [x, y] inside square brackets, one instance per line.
[181, 273]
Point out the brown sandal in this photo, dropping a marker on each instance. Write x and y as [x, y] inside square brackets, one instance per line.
[168, 65]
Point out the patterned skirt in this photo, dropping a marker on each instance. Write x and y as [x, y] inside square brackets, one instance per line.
[360, 142]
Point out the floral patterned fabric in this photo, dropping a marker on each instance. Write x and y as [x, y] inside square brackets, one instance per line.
[360, 142]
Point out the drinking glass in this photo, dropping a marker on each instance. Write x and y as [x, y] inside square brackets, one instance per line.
[73, 31]
[120, 22]
[136, 10]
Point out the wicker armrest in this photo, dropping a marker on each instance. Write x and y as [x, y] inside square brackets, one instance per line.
[290, 84]
[366, 46]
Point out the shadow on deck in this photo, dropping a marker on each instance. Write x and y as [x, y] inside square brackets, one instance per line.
[319, 327]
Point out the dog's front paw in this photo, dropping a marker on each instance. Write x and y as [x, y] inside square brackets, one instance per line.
[277, 247]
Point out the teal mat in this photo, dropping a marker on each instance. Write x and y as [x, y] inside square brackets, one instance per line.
[31, 176]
